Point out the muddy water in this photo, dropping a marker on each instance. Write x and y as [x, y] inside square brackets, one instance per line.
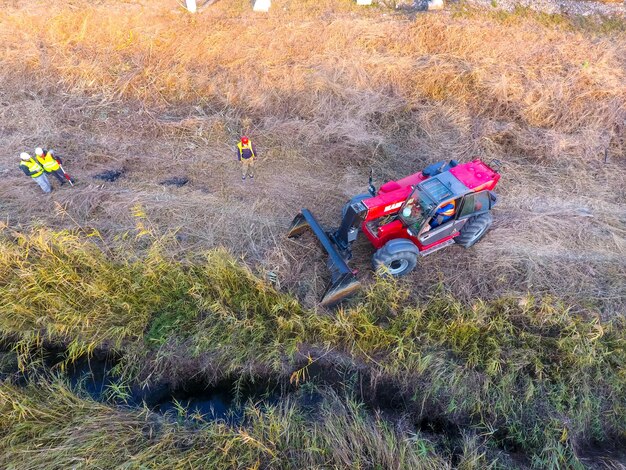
[194, 400]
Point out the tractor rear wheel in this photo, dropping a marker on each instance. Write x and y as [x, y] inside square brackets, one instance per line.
[396, 258]
[474, 229]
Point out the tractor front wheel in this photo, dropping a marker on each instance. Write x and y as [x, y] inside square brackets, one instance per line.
[395, 259]
[474, 229]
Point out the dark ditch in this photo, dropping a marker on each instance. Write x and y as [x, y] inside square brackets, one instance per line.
[193, 400]
[178, 181]
[109, 175]
[196, 399]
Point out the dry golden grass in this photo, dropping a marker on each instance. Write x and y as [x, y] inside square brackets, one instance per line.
[326, 90]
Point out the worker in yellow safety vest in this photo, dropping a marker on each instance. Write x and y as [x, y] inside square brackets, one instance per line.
[32, 168]
[246, 154]
[50, 163]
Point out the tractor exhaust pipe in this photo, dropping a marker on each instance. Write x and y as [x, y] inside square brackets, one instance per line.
[343, 281]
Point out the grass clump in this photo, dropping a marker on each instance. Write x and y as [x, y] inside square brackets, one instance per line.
[547, 379]
[60, 286]
[64, 287]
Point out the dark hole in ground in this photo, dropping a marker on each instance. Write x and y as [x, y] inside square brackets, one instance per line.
[192, 401]
[225, 401]
[177, 181]
[109, 175]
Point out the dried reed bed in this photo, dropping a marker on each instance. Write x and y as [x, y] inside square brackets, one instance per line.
[314, 70]
[327, 90]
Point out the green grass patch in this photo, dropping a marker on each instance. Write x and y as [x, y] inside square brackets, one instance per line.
[541, 379]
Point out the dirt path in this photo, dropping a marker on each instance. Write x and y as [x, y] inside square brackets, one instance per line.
[569, 7]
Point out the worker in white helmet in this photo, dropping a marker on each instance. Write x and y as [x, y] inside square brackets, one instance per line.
[32, 168]
[51, 163]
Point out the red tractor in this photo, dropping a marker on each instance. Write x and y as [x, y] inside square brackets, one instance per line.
[445, 203]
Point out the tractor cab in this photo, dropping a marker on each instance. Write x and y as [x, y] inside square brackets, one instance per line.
[416, 210]
[427, 198]
[439, 207]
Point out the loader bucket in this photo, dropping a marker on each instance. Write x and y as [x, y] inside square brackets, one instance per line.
[346, 286]
[298, 226]
[343, 281]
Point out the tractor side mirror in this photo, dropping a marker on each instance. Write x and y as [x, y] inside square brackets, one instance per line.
[493, 199]
[371, 188]
[495, 165]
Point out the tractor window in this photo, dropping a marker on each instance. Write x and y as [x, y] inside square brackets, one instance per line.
[475, 203]
[445, 212]
[416, 207]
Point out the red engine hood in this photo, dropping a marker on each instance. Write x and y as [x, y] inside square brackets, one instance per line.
[476, 175]
[391, 196]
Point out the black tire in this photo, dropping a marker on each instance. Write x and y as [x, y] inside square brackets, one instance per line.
[358, 198]
[391, 262]
[474, 229]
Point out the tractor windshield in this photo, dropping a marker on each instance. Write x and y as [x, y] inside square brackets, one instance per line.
[415, 209]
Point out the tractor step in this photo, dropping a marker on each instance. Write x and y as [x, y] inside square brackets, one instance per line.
[437, 247]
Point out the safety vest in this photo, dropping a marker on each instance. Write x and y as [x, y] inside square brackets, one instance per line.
[243, 147]
[33, 166]
[48, 161]
[447, 210]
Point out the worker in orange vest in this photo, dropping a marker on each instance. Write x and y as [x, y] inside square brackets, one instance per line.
[246, 154]
[443, 214]
[50, 163]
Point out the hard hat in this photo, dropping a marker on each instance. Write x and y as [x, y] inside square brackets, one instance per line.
[244, 140]
[39, 151]
[24, 156]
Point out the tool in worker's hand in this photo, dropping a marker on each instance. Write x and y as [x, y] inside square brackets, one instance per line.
[67, 177]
